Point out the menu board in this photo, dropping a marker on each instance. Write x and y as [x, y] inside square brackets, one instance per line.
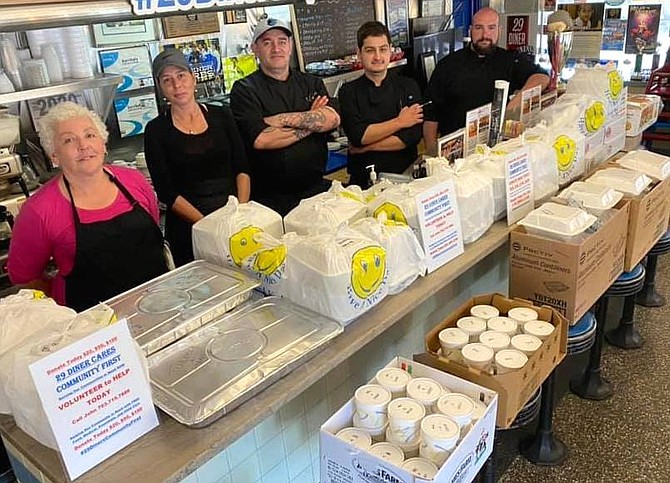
[328, 29]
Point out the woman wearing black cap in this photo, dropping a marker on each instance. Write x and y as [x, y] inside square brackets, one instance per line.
[195, 154]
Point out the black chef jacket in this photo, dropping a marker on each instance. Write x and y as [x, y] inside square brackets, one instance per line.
[362, 104]
[463, 81]
[295, 171]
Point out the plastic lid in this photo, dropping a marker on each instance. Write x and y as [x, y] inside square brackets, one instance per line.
[421, 468]
[372, 395]
[506, 325]
[495, 340]
[654, 165]
[439, 428]
[628, 181]
[471, 325]
[522, 314]
[538, 328]
[458, 406]
[591, 196]
[388, 452]
[425, 390]
[477, 353]
[453, 337]
[552, 218]
[484, 311]
[406, 409]
[526, 343]
[356, 437]
[511, 359]
[393, 378]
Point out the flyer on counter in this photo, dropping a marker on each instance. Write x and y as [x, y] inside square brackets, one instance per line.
[450, 147]
[133, 63]
[440, 224]
[530, 105]
[477, 126]
[518, 185]
[96, 397]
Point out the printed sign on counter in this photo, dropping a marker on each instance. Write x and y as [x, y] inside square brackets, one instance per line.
[96, 397]
[477, 127]
[518, 185]
[440, 224]
[530, 105]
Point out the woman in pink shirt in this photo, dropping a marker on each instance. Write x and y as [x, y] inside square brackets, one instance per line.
[99, 224]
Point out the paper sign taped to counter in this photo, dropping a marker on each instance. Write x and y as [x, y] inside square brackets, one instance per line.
[518, 185]
[440, 224]
[96, 397]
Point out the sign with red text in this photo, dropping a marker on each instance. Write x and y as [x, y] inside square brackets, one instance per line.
[517, 33]
[519, 185]
[440, 224]
[96, 397]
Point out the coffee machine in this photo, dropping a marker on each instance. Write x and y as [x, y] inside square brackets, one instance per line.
[11, 166]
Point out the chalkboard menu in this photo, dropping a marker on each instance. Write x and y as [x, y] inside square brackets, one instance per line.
[328, 29]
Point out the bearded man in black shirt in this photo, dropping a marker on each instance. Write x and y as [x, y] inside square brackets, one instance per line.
[284, 117]
[465, 79]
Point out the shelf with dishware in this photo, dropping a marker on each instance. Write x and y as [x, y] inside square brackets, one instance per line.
[68, 86]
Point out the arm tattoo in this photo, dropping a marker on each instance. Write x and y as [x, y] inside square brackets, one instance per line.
[301, 133]
[309, 120]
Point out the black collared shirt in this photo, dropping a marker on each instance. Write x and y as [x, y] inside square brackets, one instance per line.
[362, 104]
[463, 81]
[287, 171]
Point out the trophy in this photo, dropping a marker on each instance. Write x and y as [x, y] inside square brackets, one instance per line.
[560, 45]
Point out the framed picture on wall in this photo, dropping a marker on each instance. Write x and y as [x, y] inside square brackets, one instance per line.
[397, 21]
[428, 63]
[234, 16]
[130, 31]
[432, 8]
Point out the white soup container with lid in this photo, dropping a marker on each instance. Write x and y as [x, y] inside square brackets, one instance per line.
[459, 407]
[485, 312]
[439, 436]
[526, 343]
[371, 402]
[539, 328]
[388, 452]
[426, 391]
[421, 468]
[473, 326]
[452, 340]
[394, 379]
[477, 355]
[510, 360]
[495, 340]
[405, 417]
[355, 437]
[506, 325]
[522, 314]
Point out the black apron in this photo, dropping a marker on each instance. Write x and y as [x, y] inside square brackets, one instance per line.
[113, 256]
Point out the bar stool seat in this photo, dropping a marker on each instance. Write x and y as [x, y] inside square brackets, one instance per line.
[648, 296]
[627, 285]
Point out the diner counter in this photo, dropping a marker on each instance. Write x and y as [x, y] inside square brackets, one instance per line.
[172, 451]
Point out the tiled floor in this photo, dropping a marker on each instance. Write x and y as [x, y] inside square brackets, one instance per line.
[626, 438]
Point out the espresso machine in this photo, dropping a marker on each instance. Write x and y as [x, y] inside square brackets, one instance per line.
[11, 166]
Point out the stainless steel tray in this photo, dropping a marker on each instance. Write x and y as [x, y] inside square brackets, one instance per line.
[215, 369]
[168, 307]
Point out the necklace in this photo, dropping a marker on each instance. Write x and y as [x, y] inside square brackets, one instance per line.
[193, 124]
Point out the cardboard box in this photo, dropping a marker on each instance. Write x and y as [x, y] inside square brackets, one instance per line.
[647, 223]
[569, 277]
[514, 388]
[641, 112]
[342, 462]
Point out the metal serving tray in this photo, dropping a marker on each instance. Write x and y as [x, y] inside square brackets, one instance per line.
[168, 307]
[215, 369]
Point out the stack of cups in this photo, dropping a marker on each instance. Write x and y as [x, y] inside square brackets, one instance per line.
[452, 340]
[394, 379]
[9, 58]
[506, 325]
[426, 391]
[388, 452]
[371, 403]
[485, 312]
[50, 56]
[356, 437]
[421, 468]
[79, 49]
[478, 355]
[404, 425]
[540, 329]
[458, 407]
[473, 326]
[55, 37]
[439, 435]
[497, 341]
[522, 314]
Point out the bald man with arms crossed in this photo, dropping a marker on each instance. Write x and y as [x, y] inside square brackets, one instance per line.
[465, 79]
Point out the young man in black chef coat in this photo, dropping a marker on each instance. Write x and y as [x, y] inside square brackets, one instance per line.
[284, 117]
[464, 80]
[381, 112]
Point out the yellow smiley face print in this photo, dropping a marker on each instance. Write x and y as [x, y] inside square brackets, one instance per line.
[565, 148]
[393, 212]
[615, 83]
[243, 245]
[594, 117]
[368, 268]
[268, 261]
